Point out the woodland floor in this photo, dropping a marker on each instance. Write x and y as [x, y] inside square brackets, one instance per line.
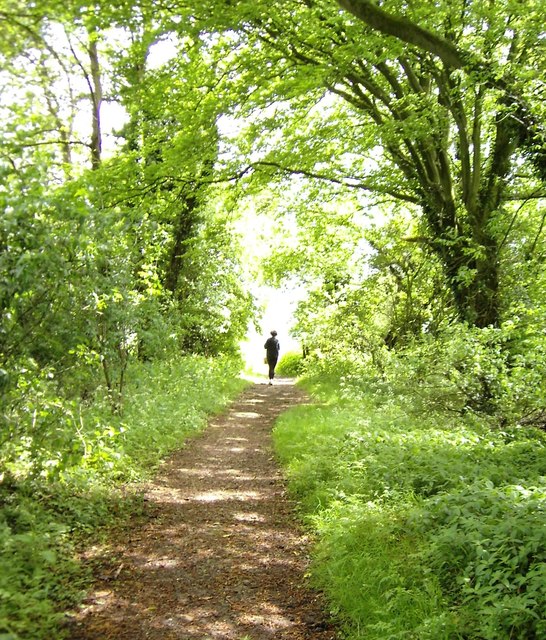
[221, 554]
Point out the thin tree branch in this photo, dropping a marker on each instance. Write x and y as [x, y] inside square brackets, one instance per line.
[344, 182]
[511, 225]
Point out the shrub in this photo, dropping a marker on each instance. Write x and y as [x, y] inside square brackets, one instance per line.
[366, 562]
[291, 364]
[488, 547]
[38, 574]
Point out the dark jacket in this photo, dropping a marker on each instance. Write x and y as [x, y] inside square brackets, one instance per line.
[272, 347]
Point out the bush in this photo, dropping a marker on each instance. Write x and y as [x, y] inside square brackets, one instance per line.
[38, 575]
[291, 364]
[366, 563]
[487, 544]
[497, 372]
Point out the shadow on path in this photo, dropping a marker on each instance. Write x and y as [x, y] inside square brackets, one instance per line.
[224, 558]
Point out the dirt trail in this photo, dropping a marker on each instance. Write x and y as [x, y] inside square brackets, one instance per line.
[224, 557]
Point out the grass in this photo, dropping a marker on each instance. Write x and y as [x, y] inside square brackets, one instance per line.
[428, 526]
[43, 518]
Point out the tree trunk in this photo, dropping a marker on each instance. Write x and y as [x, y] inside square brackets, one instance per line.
[473, 277]
[183, 231]
[96, 101]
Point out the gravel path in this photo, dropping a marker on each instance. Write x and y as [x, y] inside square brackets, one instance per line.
[224, 557]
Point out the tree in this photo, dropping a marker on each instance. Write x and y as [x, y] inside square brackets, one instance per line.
[103, 251]
[422, 123]
[531, 134]
[169, 171]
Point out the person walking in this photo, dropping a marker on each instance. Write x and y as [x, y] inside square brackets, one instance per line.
[272, 348]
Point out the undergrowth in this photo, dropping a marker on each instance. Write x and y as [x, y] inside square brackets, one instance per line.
[61, 501]
[430, 526]
[291, 364]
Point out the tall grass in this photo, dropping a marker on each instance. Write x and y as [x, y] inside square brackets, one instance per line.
[429, 526]
[44, 516]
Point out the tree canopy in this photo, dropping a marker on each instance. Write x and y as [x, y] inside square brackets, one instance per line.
[160, 120]
[402, 141]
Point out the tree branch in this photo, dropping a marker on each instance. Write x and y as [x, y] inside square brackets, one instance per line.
[344, 182]
[27, 145]
[370, 13]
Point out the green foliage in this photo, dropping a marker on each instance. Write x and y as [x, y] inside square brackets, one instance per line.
[41, 526]
[37, 573]
[496, 372]
[495, 541]
[134, 258]
[214, 307]
[384, 117]
[365, 560]
[105, 274]
[112, 264]
[74, 472]
[291, 364]
[428, 521]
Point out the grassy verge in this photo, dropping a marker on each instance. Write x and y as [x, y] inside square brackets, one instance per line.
[43, 518]
[428, 527]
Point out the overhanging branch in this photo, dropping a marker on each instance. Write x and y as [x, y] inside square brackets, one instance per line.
[370, 13]
[346, 182]
[530, 128]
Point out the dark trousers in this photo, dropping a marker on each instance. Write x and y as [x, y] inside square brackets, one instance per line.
[272, 362]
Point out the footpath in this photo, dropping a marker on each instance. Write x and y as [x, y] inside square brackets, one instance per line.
[221, 555]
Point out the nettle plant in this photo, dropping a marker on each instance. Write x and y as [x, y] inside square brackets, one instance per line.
[487, 544]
